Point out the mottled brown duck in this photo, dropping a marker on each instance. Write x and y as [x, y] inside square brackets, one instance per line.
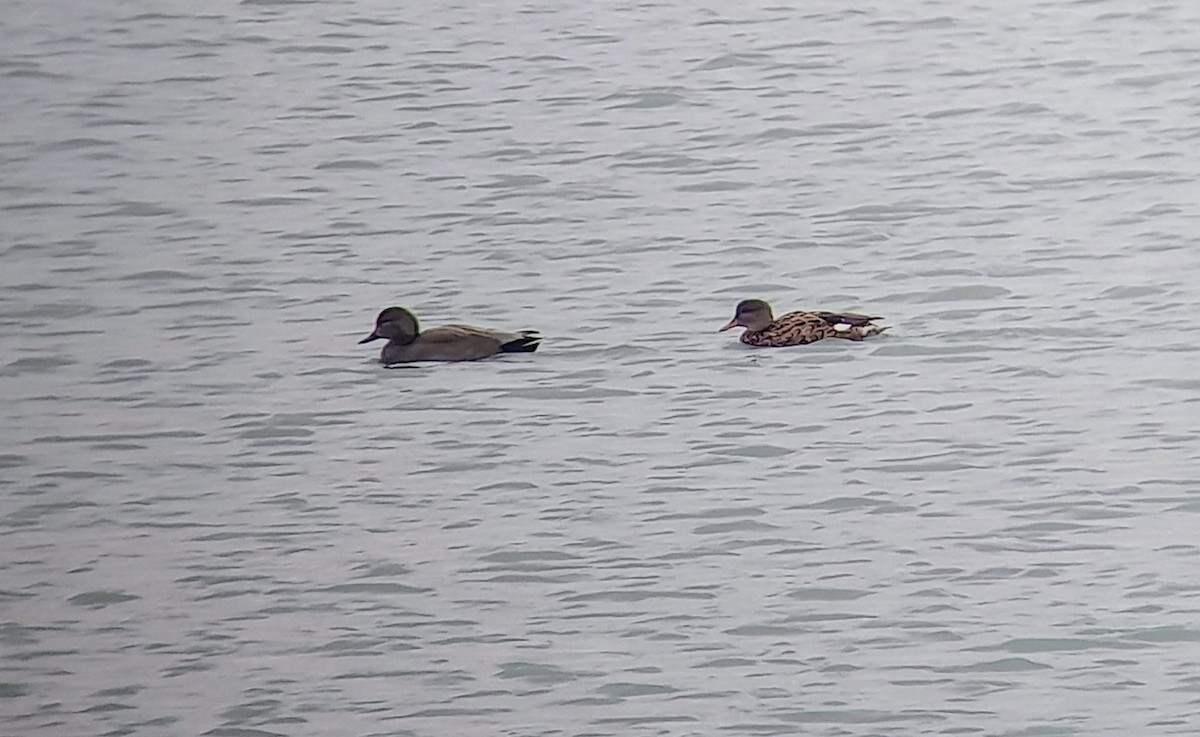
[765, 330]
[406, 342]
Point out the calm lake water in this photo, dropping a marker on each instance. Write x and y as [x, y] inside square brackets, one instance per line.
[221, 516]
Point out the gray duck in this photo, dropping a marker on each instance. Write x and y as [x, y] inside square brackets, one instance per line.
[406, 342]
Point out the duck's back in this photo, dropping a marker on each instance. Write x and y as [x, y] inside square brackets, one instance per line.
[458, 343]
[801, 328]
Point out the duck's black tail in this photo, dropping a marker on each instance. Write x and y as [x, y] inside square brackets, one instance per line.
[527, 343]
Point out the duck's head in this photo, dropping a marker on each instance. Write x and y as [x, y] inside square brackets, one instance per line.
[395, 324]
[753, 314]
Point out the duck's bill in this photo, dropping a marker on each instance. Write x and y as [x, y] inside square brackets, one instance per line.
[369, 338]
[731, 324]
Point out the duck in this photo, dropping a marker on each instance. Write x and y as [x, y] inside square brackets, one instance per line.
[407, 343]
[765, 330]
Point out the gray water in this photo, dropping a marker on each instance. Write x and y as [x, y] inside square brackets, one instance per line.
[221, 516]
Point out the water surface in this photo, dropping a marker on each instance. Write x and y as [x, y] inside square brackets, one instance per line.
[221, 516]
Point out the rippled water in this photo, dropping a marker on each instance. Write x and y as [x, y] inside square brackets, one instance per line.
[221, 516]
